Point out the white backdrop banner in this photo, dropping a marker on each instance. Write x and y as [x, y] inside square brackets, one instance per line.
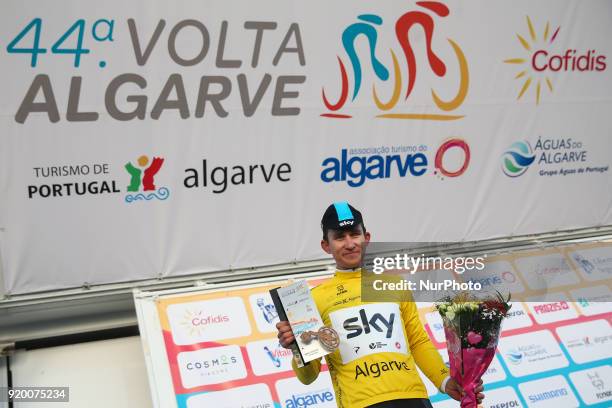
[146, 139]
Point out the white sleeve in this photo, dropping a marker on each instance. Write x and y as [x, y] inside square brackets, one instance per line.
[443, 385]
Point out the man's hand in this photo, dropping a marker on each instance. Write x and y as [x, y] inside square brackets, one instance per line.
[285, 334]
[455, 391]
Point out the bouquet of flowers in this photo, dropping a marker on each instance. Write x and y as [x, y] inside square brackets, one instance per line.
[472, 328]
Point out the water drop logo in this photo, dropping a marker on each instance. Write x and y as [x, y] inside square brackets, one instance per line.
[145, 180]
[514, 356]
[517, 159]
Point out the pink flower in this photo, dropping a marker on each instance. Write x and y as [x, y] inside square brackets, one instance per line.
[474, 338]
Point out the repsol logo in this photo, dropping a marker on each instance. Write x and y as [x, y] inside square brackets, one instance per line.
[377, 369]
[515, 313]
[377, 322]
[506, 404]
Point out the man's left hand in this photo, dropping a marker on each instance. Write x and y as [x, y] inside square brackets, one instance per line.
[455, 391]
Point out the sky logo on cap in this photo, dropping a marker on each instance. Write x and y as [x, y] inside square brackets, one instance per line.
[345, 215]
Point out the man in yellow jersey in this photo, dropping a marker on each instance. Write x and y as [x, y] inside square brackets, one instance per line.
[380, 343]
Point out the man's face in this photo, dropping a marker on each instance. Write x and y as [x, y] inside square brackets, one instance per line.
[346, 246]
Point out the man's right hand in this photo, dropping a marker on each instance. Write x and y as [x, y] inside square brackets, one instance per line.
[285, 334]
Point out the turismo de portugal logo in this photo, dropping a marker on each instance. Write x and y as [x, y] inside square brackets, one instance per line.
[142, 180]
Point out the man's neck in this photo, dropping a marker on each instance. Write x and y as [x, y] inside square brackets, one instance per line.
[345, 269]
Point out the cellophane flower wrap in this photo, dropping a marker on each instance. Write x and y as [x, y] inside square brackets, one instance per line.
[472, 327]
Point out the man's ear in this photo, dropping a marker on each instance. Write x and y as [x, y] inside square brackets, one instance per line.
[325, 246]
[367, 237]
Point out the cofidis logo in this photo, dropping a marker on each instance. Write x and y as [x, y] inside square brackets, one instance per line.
[542, 59]
[208, 320]
[142, 178]
[355, 166]
[196, 322]
[405, 73]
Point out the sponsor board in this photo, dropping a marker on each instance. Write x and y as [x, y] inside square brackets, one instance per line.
[551, 392]
[593, 385]
[209, 320]
[361, 327]
[593, 300]
[264, 312]
[517, 317]
[319, 394]
[593, 264]
[531, 353]
[212, 365]
[546, 271]
[505, 397]
[250, 396]
[268, 356]
[586, 342]
[551, 311]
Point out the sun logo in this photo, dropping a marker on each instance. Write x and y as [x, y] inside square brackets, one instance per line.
[529, 68]
[190, 322]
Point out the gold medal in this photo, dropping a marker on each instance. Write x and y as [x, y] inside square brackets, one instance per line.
[329, 338]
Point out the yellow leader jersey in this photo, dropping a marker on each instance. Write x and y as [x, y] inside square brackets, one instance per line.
[380, 343]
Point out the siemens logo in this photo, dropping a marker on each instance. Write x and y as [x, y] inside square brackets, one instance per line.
[302, 401]
[560, 392]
